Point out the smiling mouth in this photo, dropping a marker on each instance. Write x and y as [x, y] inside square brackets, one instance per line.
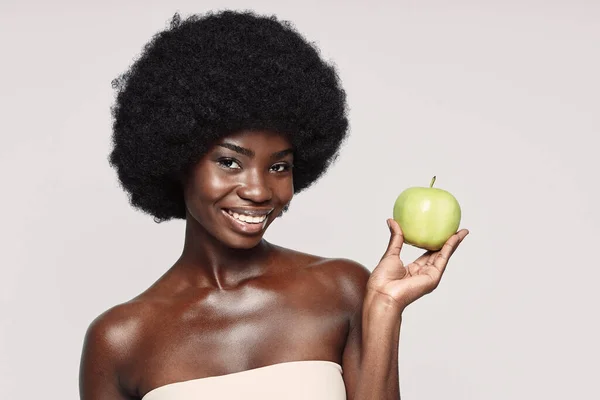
[248, 219]
[247, 222]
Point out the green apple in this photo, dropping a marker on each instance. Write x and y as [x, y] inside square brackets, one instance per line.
[428, 216]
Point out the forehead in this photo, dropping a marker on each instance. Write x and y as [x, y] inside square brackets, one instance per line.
[256, 140]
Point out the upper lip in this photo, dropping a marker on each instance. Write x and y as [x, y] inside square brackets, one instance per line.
[255, 212]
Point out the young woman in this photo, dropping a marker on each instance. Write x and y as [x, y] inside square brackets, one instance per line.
[222, 119]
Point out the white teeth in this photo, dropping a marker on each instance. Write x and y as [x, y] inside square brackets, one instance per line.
[247, 218]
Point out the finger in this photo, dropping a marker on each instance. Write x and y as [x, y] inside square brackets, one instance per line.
[396, 240]
[461, 235]
[441, 260]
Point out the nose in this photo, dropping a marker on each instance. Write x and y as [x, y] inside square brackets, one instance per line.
[255, 187]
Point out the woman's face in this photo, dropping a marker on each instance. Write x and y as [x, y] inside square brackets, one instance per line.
[240, 186]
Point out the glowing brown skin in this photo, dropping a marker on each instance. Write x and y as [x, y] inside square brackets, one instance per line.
[232, 301]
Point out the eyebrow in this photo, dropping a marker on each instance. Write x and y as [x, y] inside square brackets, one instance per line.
[251, 154]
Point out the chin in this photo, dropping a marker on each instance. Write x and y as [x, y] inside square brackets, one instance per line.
[244, 245]
[239, 242]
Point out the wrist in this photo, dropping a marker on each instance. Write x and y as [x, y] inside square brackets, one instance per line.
[379, 305]
[381, 322]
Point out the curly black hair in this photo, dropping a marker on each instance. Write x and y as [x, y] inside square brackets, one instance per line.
[211, 75]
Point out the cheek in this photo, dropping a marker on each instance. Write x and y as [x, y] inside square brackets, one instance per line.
[285, 190]
[214, 186]
[206, 186]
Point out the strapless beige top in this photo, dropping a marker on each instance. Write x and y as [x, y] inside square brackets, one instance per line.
[294, 380]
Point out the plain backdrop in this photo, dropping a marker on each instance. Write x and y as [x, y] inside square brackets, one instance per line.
[499, 99]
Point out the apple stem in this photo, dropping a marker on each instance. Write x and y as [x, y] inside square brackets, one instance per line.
[432, 182]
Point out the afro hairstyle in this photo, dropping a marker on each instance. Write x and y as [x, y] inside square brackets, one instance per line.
[208, 76]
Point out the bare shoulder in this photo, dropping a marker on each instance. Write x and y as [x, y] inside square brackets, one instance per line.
[110, 343]
[118, 327]
[351, 277]
[348, 276]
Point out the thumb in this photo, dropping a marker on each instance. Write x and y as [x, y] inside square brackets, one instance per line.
[396, 239]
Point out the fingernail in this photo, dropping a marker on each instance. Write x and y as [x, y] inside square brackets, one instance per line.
[389, 224]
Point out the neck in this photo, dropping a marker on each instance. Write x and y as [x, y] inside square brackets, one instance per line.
[209, 262]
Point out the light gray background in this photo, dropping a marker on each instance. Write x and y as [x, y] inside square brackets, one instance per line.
[499, 99]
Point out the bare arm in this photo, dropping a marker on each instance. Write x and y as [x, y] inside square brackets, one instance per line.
[372, 347]
[378, 374]
[351, 358]
[370, 359]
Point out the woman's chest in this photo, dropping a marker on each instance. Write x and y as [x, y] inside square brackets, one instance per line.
[217, 333]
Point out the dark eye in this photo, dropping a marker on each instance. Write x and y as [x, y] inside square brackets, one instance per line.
[229, 163]
[281, 167]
